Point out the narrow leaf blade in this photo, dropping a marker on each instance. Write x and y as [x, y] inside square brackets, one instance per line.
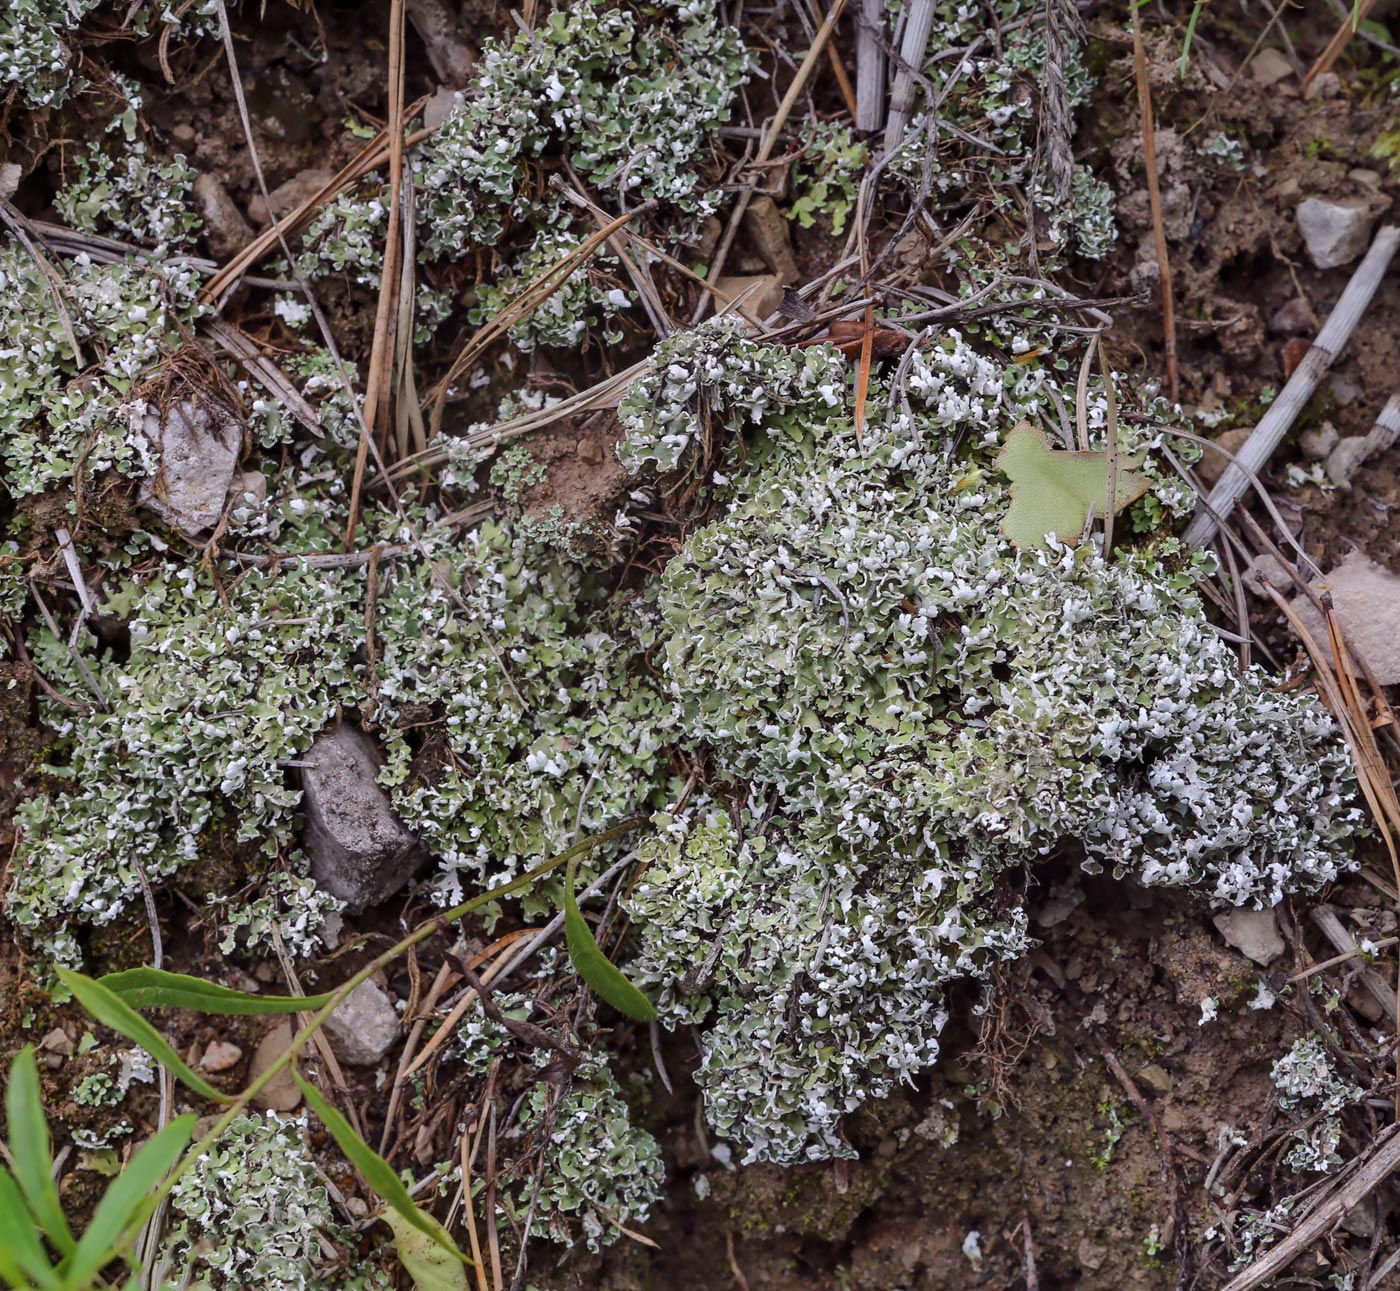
[153, 988]
[430, 1266]
[127, 1202]
[31, 1150]
[595, 967]
[23, 1260]
[114, 1012]
[377, 1172]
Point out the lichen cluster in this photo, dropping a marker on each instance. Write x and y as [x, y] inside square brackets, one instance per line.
[254, 1211]
[984, 136]
[629, 103]
[907, 713]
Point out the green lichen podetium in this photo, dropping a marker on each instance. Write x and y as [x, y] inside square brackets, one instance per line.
[903, 712]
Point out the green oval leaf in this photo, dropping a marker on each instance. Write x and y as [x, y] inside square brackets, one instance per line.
[153, 988]
[428, 1264]
[32, 1152]
[377, 1172]
[595, 967]
[112, 1011]
[127, 1202]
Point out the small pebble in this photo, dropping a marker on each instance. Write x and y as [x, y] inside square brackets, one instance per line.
[1318, 442]
[220, 1056]
[57, 1041]
[280, 1094]
[1292, 319]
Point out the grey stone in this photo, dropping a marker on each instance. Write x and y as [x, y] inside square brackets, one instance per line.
[1346, 458]
[225, 229]
[285, 198]
[198, 446]
[1254, 933]
[280, 1094]
[359, 850]
[1292, 319]
[363, 1029]
[1336, 230]
[438, 108]
[1265, 566]
[1345, 391]
[1366, 599]
[1269, 67]
[452, 58]
[1319, 441]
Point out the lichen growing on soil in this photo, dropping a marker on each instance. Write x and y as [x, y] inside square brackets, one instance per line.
[858, 720]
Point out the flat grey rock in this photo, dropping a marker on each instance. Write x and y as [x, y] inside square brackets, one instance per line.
[197, 445]
[363, 1029]
[358, 849]
[1254, 933]
[1336, 230]
[1269, 67]
[1366, 599]
[225, 229]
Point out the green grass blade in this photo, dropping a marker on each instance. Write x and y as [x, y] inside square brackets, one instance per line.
[23, 1260]
[377, 1172]
[127, 1202]
[595, 967]
[153, 988]
[1190, 35]
[32, 1152]
[112, 1011]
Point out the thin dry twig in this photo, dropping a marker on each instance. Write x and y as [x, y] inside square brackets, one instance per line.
[1167, 1164]
[1272, 427]
[380, 383]
[769, 142]
[1154, 195]
[1339, 41]
[871, 65]
[1346, 1194]
[530, 298]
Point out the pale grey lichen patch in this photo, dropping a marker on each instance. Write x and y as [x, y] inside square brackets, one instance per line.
[600, 1172]
[291, 914]
[253, 1211]
[57, 413]
[906, 708]
[1310, 1089]
[35, 47]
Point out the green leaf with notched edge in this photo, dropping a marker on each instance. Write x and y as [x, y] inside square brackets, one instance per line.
[127, 1202]
[112, 1011]
[428, 1264]
[377, 1172]
[1052, 492]
[153, 988]
[595, 967]
[31, 1151]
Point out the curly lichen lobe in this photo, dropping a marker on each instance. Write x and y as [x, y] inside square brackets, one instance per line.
[904, 712]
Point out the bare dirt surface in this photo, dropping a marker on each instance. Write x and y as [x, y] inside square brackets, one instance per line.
[1093, 1133]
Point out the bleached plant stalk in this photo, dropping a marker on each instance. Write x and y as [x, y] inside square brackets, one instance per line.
[1269, 433]
[1347, 458]
[911, 54]
[871, 66]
